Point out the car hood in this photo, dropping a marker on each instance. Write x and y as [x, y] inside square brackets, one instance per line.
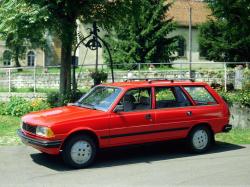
[60, 115]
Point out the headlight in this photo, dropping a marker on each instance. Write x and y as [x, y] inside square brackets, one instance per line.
[44, 131]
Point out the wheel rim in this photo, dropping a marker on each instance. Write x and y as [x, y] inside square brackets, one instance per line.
[200, 139]
[81, 152]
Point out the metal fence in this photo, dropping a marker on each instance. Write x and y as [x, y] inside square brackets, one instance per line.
[34, 78]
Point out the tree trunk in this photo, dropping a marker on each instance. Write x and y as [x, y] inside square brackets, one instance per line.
[66, 58]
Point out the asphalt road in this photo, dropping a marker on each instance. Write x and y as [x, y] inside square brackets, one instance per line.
[164, 164]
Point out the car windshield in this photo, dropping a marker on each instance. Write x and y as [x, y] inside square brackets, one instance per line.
[99, 98]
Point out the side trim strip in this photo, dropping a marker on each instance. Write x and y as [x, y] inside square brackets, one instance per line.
[142, 133]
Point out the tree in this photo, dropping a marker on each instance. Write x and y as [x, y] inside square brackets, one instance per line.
[21, 27]
[36, 17]
[62, 16]
[142, 35]
[226, 36]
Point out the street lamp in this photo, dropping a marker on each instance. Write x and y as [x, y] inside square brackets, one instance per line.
[92, 44]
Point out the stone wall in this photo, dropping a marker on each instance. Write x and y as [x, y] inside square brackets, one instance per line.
[51, 80]
[6, 96]
[240, 116]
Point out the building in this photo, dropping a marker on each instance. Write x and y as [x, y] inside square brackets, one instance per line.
[180, 11]
[34, 57]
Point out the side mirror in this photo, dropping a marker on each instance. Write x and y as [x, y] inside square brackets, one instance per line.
[119, 108]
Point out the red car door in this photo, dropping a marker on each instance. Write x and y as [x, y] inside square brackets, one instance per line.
[135, 123]
[173, 113]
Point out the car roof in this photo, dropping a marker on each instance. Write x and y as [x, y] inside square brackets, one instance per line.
[148, 83]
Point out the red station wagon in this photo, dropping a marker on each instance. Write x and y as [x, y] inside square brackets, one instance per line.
[126, 113]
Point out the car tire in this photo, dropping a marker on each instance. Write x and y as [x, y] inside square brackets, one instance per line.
[200, 139]
[79, 151]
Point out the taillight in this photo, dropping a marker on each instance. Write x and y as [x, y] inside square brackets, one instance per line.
[226, 105]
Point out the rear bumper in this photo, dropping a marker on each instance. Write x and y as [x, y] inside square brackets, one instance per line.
[38, 143]
[227, 128]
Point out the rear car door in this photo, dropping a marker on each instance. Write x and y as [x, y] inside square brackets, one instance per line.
[173, 112]
[133, 123]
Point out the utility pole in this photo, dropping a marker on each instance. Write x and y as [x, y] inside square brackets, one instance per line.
[190, 41]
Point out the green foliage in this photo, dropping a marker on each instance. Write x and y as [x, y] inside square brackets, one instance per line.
[240, 97]
[39, 104]
[18, 106]
[141, 36]
[29, 20]
[226, 36]
[56, 99]
[22, 27]
[99, 77]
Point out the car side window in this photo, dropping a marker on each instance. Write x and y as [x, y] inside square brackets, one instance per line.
[170, 97]
[200, 95]
[136, 99]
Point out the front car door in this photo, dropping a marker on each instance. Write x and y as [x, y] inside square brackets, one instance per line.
[132, 124]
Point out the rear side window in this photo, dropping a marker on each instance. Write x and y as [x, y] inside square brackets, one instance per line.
[200, 95]
[170, 97]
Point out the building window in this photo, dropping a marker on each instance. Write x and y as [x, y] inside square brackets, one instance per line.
[31, 58]
[181, 47]
[7, 58]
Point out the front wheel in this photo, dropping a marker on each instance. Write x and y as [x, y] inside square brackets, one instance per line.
[79, 151]
[200, 139]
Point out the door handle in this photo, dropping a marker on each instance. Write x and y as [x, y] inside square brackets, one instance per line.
[189, 113]
[148, 116]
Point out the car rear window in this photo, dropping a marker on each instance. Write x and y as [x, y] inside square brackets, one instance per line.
[200, 95]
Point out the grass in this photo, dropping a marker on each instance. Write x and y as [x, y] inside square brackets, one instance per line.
[235, 136]
[9, 125]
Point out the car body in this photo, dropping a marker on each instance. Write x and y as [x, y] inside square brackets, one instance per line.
[125, 113]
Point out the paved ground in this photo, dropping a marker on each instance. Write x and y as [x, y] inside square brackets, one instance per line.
[164, 164]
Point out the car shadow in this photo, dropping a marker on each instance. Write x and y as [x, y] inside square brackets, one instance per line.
[146, 153]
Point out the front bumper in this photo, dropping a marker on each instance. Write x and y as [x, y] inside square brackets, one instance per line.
[40, 143]
[227, 128]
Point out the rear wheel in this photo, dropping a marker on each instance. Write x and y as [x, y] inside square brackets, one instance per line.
[79, 151]
[200, 139]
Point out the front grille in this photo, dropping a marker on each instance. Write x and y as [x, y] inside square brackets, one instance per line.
[29, 128]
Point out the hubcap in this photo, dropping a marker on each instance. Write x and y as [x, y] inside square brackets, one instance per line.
[200, 139]
[81, 152]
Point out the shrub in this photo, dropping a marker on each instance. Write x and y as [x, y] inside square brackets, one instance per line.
[240, 97]
[2, 108]
[18, 106]
[39, 104]
[217, 86]
[55, 99]
[99, 77]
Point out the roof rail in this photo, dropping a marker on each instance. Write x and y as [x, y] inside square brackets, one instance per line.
[157, 79]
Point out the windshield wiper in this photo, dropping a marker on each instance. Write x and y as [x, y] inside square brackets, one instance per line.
[74, 104]
[89, 106]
